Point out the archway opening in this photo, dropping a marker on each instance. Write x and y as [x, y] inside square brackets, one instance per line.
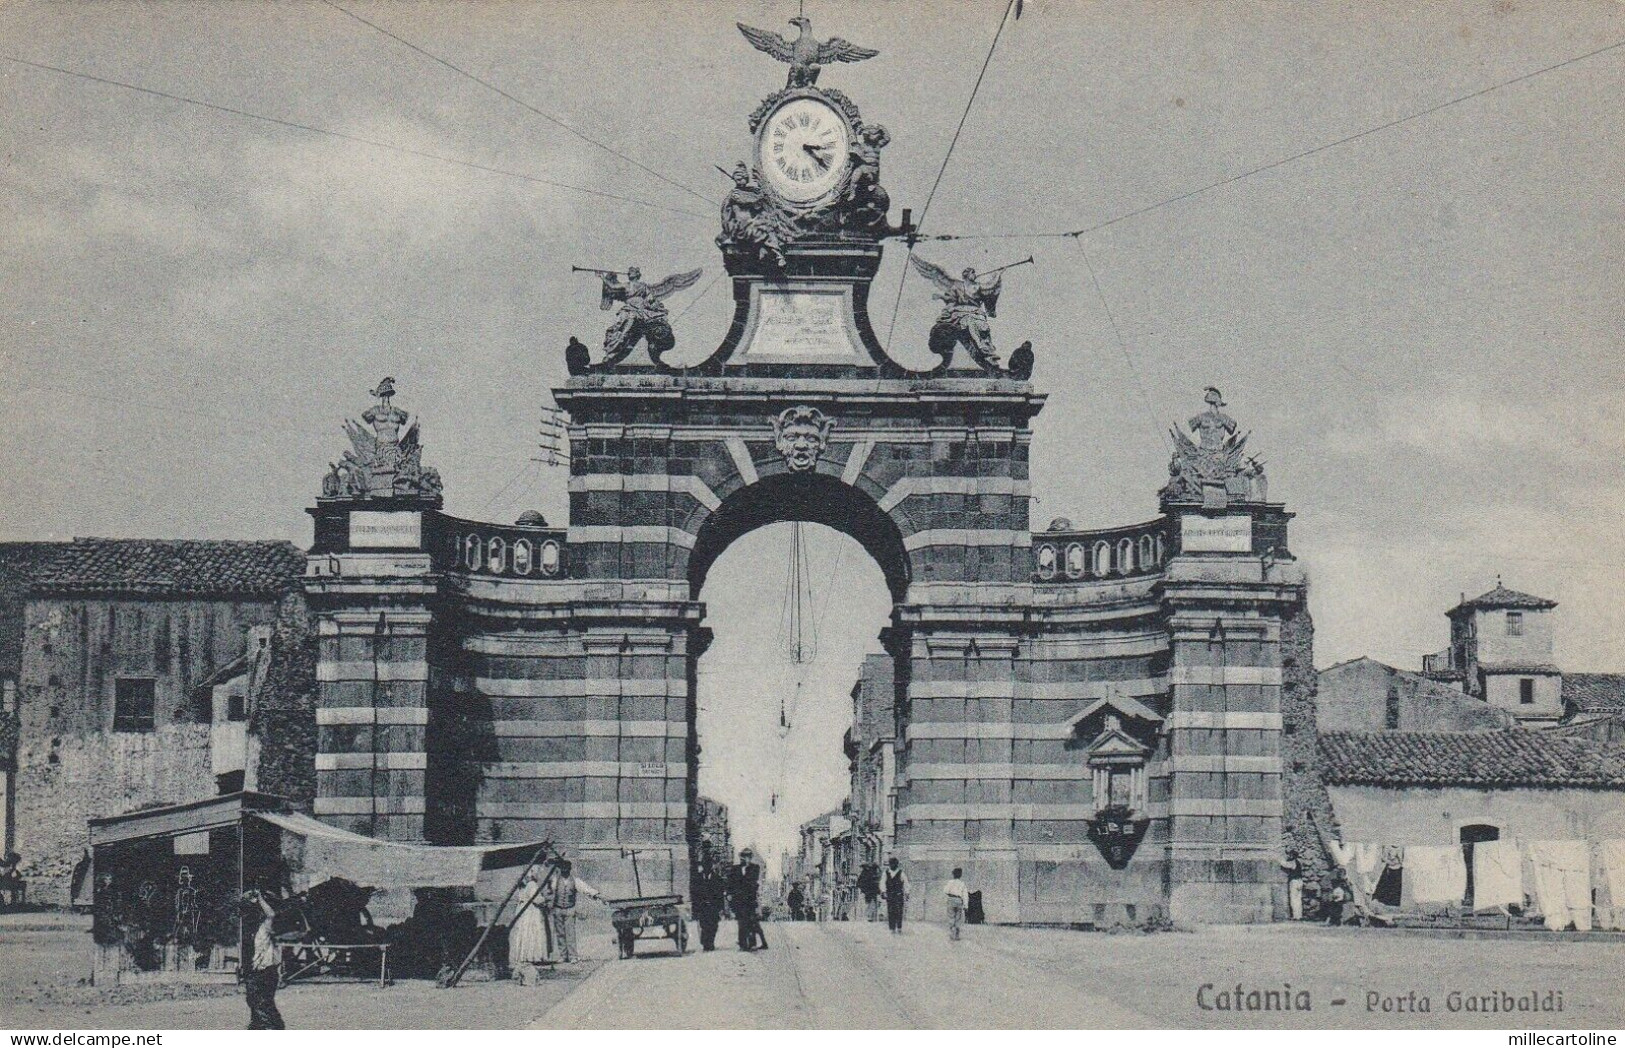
[815, 499]
[774, 691]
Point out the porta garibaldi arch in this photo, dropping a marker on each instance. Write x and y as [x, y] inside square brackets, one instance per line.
[1088, 721]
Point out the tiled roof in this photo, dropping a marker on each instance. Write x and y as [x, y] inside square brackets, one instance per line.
[1501, 597]
[172, 567]
[1485, 760]
[1594, 692]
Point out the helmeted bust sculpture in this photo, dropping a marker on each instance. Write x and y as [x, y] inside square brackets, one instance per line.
[800, 434]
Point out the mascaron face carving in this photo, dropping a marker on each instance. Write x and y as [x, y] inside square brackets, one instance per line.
[800, 434]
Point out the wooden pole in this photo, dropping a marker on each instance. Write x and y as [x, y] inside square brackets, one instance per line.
[451, 980]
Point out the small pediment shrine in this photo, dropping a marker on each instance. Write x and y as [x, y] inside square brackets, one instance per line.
[1118, 736]
[1115, 727]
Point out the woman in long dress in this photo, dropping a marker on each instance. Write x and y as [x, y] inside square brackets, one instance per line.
[527, 939]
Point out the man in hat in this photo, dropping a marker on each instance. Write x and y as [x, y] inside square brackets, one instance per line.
[567, 890]
[744, 885]
[709, 892]
[895, 884]
[262, 964]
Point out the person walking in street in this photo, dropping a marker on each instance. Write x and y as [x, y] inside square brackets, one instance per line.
[869, 887]
[744, 880]
[263, 968]
[957, 897]
[567, 891]
[527, 937]
[709, 891]
[896, 885]
[797, 903]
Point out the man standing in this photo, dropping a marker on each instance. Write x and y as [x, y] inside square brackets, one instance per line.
[896, 885]
[744, 878]
[567, 890]
[708, 898]
[1294, 884]
[869, 886]
[797, 903]
[262, 969]
[957, 897]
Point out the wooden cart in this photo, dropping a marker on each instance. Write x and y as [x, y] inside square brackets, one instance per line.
[650, 917]
[647, 916]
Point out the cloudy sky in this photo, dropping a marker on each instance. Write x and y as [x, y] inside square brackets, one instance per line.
[1420, 322]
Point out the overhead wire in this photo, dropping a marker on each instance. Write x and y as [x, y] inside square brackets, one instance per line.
[947, 156]
[1117, 333]
[345, 136]
[516, 100]
[1282, 162]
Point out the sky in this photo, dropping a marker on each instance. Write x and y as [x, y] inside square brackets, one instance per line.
[1392, 234]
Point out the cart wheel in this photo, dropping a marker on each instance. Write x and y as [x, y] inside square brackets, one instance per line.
[682, 936]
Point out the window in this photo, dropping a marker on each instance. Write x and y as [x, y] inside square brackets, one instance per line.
[236, 708]
[1125, 556]
[1046, 562]
[1103, 560]
[1514, 623]
[1526, 691]
[133, 702]
[497, 552]
[1075, 560]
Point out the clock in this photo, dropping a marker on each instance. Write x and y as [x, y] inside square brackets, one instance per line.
[803, 149]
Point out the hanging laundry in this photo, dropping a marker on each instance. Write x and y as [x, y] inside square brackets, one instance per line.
[1367, 865]
[1611, 872]
[1497, 874]
[1435, 873]
[1562, 883]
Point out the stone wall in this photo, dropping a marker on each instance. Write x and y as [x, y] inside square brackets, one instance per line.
[65, 780]
[1305, 801]
[282, 720]
[1365, 695]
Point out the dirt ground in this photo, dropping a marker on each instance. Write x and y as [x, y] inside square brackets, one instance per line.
[857, 975]
[44, 959]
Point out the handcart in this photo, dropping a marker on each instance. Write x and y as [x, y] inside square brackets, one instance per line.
[647, 916]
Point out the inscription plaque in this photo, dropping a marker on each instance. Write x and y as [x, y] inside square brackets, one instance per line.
[1232, 533]
[372, 529]
[802, 326]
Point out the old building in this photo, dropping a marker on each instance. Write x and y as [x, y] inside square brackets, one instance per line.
[871, 750]
[1501, 652]
[711, 828]
[135, 667]
[1366, 695]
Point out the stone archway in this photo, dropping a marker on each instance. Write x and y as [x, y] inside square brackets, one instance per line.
[814, 498]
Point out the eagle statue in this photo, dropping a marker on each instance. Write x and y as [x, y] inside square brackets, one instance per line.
[805, 54]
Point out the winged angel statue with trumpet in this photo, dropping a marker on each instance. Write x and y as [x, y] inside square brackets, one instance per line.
[967, 305]
[642, 316]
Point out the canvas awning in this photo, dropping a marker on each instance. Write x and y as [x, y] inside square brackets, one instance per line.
[316, 851]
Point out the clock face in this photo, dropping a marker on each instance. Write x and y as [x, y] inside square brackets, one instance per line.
[803, 149]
